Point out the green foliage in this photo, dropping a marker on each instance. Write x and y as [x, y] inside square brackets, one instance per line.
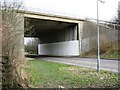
[46, 74]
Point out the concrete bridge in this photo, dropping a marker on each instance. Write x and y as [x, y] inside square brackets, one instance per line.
[67, 36]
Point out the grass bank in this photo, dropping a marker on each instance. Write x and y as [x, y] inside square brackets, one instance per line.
[45, 74]
[107, 51]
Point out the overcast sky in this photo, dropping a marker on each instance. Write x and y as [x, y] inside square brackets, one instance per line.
[82, 8]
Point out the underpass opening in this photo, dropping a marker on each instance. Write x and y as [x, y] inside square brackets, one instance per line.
[56, 38]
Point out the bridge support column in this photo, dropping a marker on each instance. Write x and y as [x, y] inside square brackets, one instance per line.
[80, 27]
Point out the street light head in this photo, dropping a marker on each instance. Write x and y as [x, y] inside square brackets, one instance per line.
[101, 1]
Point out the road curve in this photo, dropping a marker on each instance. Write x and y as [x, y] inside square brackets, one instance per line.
[109, 65]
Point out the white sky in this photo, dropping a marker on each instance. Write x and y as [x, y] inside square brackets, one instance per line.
[82, 8]
[28, 40]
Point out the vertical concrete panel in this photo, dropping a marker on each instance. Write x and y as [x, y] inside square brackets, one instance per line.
[75, 33]
[20, 42]
[80, 29]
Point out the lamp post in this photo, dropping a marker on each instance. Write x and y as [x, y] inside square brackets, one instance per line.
[98, 35]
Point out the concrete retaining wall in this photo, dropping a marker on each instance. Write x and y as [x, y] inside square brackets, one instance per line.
[67, 48]
[89, 36]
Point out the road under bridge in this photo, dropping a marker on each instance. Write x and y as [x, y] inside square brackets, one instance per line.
[66, 36]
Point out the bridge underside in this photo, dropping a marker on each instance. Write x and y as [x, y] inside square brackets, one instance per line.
[56, 38]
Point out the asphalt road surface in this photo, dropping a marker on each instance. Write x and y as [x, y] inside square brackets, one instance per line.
[110, 65]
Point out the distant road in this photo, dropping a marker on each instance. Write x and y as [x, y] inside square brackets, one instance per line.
[109, 65]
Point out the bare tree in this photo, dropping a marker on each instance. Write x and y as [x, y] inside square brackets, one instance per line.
[117, 19]
[13, 60]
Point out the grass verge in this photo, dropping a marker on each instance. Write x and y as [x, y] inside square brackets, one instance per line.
[45, 74]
